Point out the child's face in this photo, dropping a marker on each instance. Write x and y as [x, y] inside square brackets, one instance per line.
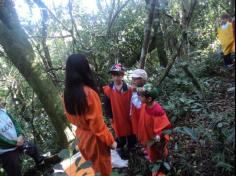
[117, 77]
[138, 82]
[146, 100]
[143, 99]
[224, 21]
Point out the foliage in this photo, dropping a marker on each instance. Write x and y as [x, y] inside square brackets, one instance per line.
[203, 134]
[67, 154]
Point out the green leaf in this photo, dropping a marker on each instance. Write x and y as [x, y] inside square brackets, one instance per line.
[86, 165]
[191, 133]
[178, 130]
[173, 119]
[59, 174]
[64, 154]
[115, 174]
[167, 166]
[232, 89]
[187, 131]
[77, 161]
[167, 132]
[183, 100]
[75, 143]
[58, 167]
[156, 167]
[224, 165]
[196, 110]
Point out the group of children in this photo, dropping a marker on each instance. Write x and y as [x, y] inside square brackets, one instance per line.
[133, 112]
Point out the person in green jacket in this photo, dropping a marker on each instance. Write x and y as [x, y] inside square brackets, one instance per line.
[11, 138]
[12, 143]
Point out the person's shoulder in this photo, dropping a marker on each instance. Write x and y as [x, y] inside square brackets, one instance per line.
[230, 24]
[158, 110]
[92, 95]
[108, 86]
[89, 91]
[126, 87]
[3, 110]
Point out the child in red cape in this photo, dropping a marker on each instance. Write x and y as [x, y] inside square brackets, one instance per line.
[153, 121]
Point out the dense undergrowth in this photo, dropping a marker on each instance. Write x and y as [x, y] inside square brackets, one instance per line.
[203, 134]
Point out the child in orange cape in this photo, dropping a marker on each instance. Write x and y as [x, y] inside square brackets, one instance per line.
[153, 121]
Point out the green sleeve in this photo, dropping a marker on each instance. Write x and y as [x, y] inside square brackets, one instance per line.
[6, 143]
[19, 130]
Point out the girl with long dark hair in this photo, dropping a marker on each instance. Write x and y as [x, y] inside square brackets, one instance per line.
[83, 109]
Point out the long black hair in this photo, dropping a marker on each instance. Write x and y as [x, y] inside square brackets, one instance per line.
[78, 74]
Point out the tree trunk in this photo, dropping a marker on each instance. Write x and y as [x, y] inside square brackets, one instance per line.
[14, 41]
[147, 34]
[188, 19]
[232, 7]
[159, 39]
[194, 80]
[161, 49]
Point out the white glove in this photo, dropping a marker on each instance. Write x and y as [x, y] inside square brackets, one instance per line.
[114, 145]
[157, 138]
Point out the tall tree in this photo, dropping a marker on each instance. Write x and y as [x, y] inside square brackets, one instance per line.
[14, 41]
[147, 33]
[159, 38]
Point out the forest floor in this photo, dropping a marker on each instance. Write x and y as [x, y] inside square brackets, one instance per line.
[206, 151]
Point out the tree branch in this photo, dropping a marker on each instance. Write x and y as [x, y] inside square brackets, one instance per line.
[74, 26]
[189, 17]
[193, 78]
[21, 54]
[171, 17]
[115, 16]
[51, 37]
[147, 34]
[42, 5]
[99, 5]
[171, 64]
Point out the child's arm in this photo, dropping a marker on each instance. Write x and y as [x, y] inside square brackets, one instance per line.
[107, 102]
[161, 122]
[107, 107]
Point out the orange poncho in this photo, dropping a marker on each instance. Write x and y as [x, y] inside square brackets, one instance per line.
[135, 115]
[94, 136]
[151, 125]
[120, 103]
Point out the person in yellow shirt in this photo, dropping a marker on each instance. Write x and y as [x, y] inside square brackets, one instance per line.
[226, 37]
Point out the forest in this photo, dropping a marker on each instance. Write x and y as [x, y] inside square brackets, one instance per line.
[175, 41]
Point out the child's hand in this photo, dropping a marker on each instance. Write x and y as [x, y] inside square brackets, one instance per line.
[114, 145]
[133, 88]
[154, 141]
[20, 141]
[157, 138]
[111, 121]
